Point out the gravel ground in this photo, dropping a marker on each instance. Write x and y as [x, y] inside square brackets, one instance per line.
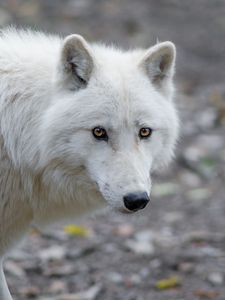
[180, 237]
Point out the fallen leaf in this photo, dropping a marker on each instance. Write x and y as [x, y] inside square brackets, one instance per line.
[76, 230]
[168, 283]
[206, 294]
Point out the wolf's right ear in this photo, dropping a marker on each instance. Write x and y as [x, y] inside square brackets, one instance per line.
[76, 62]
[159, 65]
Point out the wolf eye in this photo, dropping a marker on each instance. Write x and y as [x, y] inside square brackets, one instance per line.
[100, 133]
[145, 132]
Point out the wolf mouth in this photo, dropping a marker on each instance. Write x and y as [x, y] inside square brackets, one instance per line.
[125, 211]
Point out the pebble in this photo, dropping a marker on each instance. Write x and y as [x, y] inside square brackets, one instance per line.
[142, 243]
[166, 239]
[29, 292]
[155, 263]
[53, 253]
[186, 267]
[216, 278]
[14, 269]
[210, 251]
[115, 277]
[144, 236]
[90, 294]
[59, 270]
[140, 247]
[57, 286]
[124, 230]
[135, 279]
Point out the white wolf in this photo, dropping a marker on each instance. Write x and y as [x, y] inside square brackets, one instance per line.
[81, 125]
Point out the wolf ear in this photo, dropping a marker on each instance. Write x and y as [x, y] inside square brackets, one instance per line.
[76, 62]
[159, 63]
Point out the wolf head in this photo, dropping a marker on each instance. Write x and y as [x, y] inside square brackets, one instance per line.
[113, 115]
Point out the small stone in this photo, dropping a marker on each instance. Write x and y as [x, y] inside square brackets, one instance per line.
[144, 273]
[53, 253]
[216, 278]
[210, 251]
[132, 280]
[57, 286]
[29, 292]
[124, 230]
[186, 267]
[14, 269]
[205, 294]
[135, 279]
[142, 243]
[145, 236]
[59, 270]
[109, 248]
[155, 263]
[142, 248]
[166, 238]
[90, 294]
[115, 277]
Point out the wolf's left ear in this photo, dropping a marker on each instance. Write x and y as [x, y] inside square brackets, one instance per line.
[159, 63]
[76, 62]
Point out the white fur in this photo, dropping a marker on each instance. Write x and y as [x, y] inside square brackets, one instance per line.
[51, 166]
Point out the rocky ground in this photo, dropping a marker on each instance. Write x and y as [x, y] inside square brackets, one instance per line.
[174, 249]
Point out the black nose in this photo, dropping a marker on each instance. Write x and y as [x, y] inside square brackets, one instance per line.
[136, 201]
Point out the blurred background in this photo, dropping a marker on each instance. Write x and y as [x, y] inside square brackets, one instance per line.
[175, 249]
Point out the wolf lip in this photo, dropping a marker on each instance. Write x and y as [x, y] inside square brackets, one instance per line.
[126, 211]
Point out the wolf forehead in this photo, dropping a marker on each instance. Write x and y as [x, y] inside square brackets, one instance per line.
[115, 83]
[113, 105]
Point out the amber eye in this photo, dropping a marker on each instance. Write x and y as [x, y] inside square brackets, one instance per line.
[100, 133]
[145, 132]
